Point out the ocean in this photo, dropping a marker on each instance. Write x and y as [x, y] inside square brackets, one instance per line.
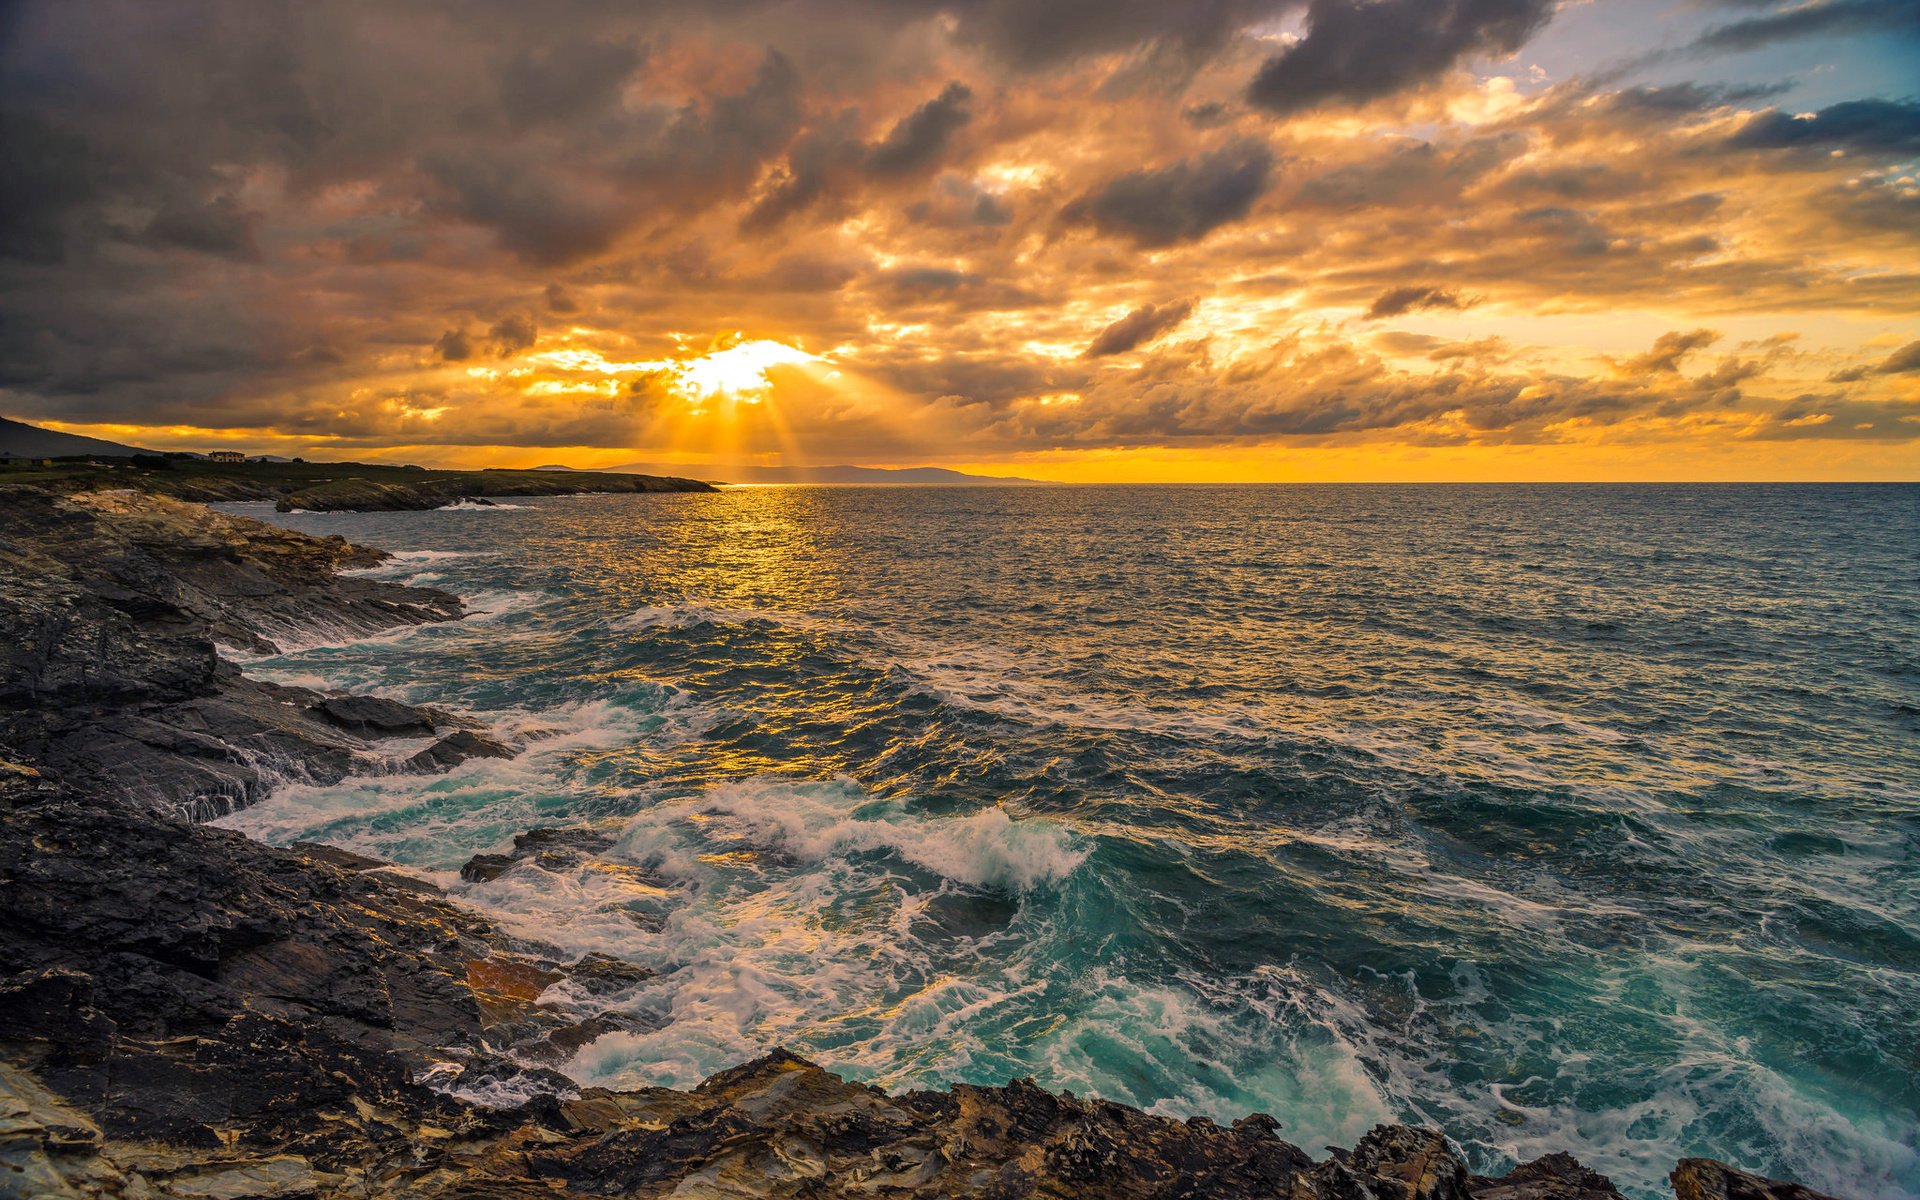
[1562, 817]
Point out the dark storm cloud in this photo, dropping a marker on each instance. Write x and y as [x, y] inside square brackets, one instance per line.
[220, 227]
[921, 136]
[1182, 202]
[317, 216]
[47, 176]
[1394, 301]
[1406, 171]
[536, 209]
[1873, 126]
[1030, 34]
[513, 333]
[829, 163]
[957, 202]
[1814, 20]
[1361, 50]
[1679, 99]
[1138, 328]
[1904, 361]
[455, 345]
[572, 79]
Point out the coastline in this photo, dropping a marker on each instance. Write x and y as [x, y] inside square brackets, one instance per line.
[193, 1013]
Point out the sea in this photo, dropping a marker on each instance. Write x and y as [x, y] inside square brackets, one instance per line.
[1578, 818]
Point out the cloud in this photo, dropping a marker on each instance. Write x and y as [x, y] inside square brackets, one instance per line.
[513, 333]
[1873, 126]
[1669, 350]
[1357, 51]
[220, 226]
[1904, 361]
[1184, 201]
[366, 222]
[1833, 18]
[578, 76]
[1394, 301]
[455, 345]
[922, 135]
[1138, 327]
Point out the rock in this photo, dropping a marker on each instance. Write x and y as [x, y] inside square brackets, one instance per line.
[1418, 1163]
[547, 848]
[374, 717]
[602, 974]
[454, 749]
[439, 489]
[1557, 1176]
[111, 608]
[485, 868]
[346, 860]
[1708, 1179]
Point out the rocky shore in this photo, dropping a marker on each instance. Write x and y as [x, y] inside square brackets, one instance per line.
[187, 1013]
[323, 486]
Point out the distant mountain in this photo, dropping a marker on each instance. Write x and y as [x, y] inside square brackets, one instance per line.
[842, 474]
[21, 440]
[554, 467]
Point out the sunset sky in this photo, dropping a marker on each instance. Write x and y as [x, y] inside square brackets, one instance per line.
[1076, 240]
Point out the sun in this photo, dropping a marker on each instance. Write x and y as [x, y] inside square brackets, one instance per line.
[738, 370]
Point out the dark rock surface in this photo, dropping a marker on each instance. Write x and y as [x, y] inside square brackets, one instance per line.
[187, 1013]
[1706, 1179]
[361, 494]
[111, 609]
[550, 849]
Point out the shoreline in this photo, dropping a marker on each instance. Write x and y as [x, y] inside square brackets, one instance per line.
[191, 1012]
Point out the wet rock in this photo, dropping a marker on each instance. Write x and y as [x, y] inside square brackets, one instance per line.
[485, 868]
[506, 988]
[1557, 1176]
[112, 606]
[454, 749]
[548, 848]
[374, 717]
[334, 856]
[602, 975]
[1416, 1164]
[1707, 1179]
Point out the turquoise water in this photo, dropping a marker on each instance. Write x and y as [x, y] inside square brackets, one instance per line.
[1566, 817]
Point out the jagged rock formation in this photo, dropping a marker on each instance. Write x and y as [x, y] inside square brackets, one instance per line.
[112, 607]
[187, 1013]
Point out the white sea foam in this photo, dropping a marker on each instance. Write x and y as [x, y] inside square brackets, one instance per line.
[814, 822]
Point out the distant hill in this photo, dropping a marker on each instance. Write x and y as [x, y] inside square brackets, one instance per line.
[22, 440]
[842, 474]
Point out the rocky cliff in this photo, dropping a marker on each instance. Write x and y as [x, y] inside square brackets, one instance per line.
[187, 1013]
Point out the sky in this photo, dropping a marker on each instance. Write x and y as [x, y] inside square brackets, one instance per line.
[1085, 240]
